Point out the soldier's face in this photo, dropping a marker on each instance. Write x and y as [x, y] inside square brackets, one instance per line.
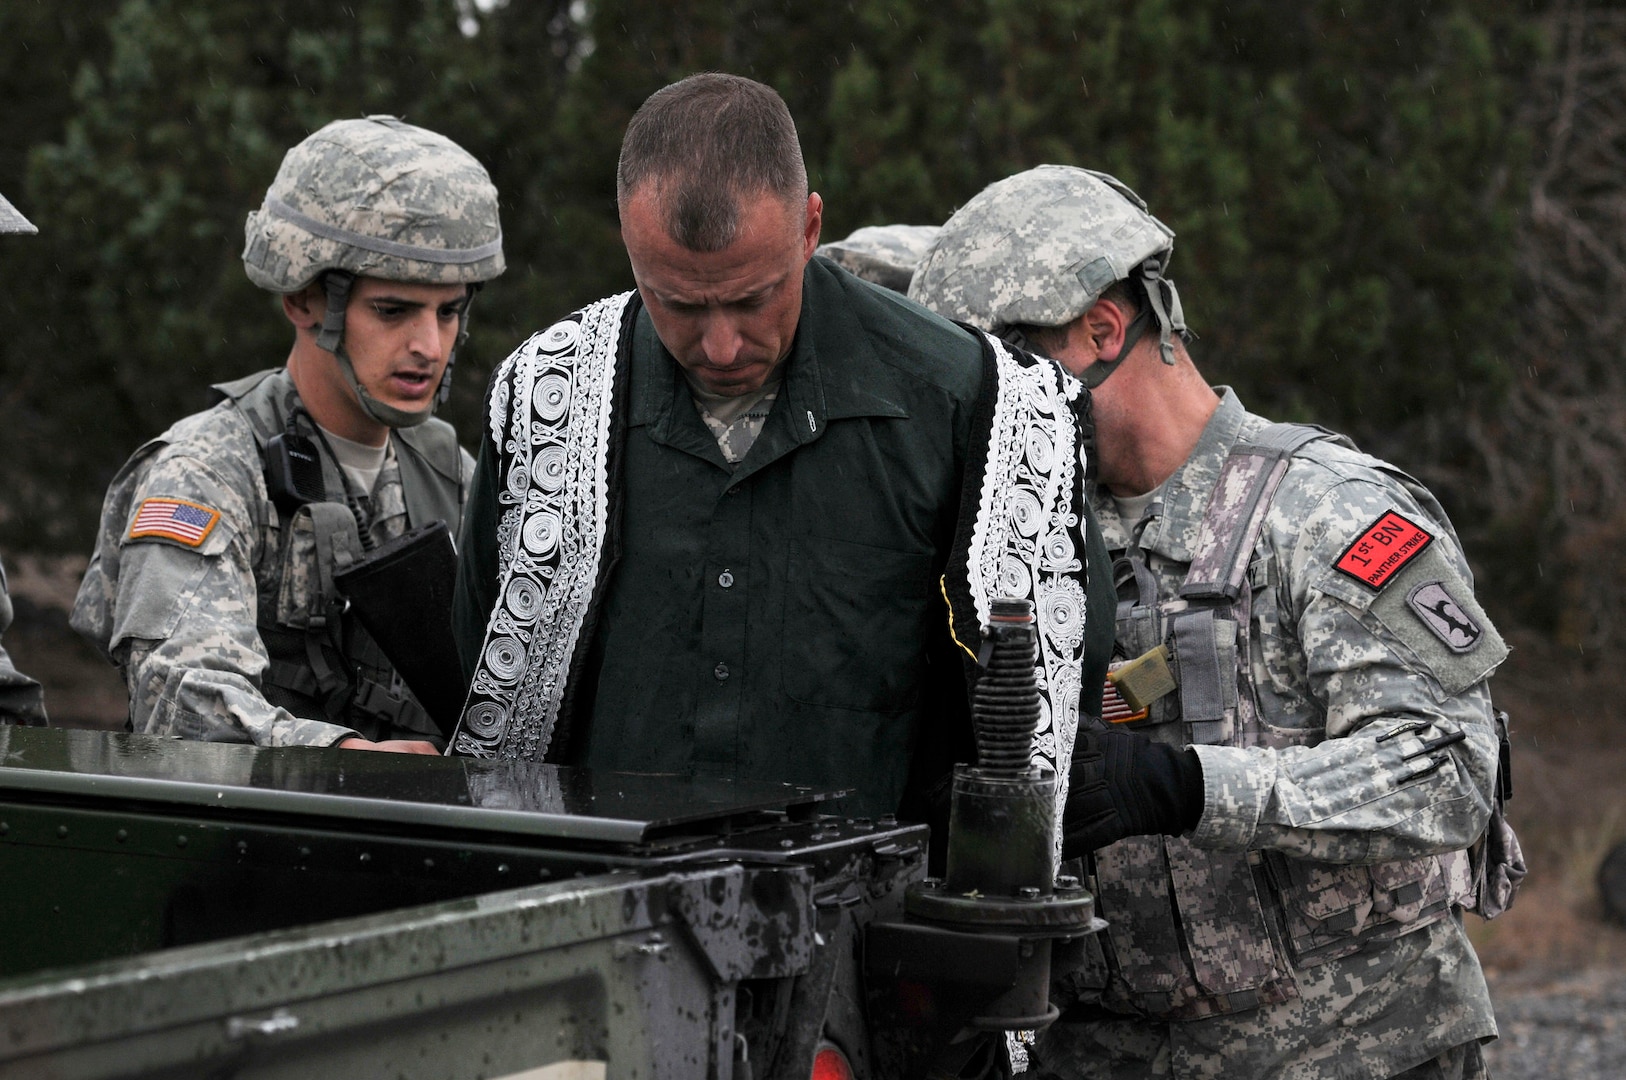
[400, 336]
[728, 317]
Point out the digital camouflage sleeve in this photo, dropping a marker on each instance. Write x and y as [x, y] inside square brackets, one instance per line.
[176, 609]
[1362, 650]
[22, 701]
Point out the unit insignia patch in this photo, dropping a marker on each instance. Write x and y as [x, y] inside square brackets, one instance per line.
[1441, 613]
[1378, 554]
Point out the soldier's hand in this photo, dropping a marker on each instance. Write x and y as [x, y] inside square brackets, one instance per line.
[1124, 784]
[394, 746]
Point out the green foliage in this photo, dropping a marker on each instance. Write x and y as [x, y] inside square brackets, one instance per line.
[1343, 176]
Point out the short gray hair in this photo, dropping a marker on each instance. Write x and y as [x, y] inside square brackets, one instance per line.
[707, 142]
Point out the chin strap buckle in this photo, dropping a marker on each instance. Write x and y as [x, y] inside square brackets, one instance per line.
[337, 284]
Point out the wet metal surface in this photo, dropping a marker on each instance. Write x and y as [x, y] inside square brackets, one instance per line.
[515, 798]
[196, 910]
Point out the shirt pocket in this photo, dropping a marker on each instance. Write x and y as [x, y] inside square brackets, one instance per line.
[855, 625]
[1287, 714]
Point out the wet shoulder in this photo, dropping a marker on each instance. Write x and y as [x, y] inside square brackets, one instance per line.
[221, 438]
[1327, 474]
[915, 345]
[1347, 522]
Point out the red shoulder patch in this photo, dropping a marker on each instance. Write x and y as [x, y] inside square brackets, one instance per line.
[1388, 544]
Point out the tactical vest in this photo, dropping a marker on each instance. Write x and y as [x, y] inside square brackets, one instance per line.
[324, 664]
[1193, 932]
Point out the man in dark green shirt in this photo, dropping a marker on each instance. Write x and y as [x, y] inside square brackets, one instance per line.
[747, 521]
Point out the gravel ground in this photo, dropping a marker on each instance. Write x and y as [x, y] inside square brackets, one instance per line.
[1568, 1028]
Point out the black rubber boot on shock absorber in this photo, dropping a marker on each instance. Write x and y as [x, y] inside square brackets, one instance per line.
[1002, 815]
[1005, 704]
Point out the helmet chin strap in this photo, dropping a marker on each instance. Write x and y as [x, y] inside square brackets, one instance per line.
[337, 284]
[388, 415]
[445, 390]
[1097, 373]
[1160, 301]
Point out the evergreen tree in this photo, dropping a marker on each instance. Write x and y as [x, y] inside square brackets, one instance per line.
[1343, 176]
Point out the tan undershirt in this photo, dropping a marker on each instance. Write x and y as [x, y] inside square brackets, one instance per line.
[361, 463]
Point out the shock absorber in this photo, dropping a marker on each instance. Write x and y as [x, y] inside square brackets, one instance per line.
[974, 950]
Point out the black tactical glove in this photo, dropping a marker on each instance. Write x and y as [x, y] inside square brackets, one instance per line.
[1124, 784]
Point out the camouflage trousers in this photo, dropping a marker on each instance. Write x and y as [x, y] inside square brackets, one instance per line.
[1102, 1046]
[1463, 1062]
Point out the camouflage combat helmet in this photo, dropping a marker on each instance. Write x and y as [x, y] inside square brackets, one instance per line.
[1039, 248]
[884, 254]
[12, 220]
[380, 198]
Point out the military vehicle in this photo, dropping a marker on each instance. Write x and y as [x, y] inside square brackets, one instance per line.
[184, 909]
[177, 909]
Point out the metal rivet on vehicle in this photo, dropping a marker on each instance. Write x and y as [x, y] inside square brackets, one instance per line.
[429, 864]
[122, 835]
[366, 856]
[180, 841]
[62, 830]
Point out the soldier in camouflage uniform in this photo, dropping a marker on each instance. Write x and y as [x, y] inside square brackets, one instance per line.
[212, 582]
[1279, 818]
[22, 701]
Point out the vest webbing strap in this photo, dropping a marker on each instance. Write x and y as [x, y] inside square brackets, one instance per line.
[1236, 511]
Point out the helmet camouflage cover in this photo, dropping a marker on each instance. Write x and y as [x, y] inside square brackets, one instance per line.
[12, 220]
[1039, 248]
[380, 198]
[884, 254]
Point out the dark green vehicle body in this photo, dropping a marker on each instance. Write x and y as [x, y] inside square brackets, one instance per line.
[173, 909]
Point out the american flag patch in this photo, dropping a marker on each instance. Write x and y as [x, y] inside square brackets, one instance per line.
[174, 519]
[1114, 709]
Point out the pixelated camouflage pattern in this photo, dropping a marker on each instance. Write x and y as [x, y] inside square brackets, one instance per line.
[386, 180]
[22, 701]
[1128, 871]
[1233, 515]
[12, 220]
[1351, 842]
[1373, 1016]
[736, 437]
[884, 254]
[1038, 248]
[1227, 937]
[181, 623]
